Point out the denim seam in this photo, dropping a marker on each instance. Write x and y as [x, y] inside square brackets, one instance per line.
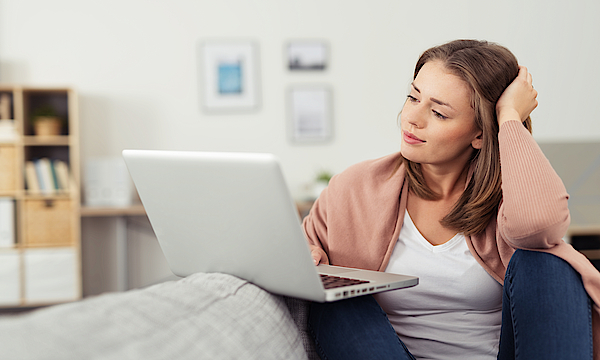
[406, 349]
[402, 344]
[591, 328]
[513, 318]
[320, 350]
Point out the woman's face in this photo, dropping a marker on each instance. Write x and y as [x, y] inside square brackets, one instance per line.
[437, 120]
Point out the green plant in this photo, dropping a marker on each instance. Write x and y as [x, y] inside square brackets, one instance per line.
[45, 110]
[324, 176]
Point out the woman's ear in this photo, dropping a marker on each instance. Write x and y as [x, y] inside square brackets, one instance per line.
[477, 143]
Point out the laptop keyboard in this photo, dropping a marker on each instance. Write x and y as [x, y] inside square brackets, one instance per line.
[332, 282]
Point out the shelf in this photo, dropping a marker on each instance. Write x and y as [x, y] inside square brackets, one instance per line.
[134, 210]
[63, 140]
[578, 230]
[64, 196]
[12, 194]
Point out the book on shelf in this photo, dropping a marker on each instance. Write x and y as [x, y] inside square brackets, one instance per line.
[44, 175]
[47, 177]
[7, 222]
[62, 174]
[31, 180]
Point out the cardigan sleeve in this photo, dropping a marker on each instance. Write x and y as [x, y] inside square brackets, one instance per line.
[534, 212]
[315, 227]
[355, 221]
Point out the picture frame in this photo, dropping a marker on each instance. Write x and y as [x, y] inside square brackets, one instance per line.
[307, 55]
[310, 114]
[229, 76]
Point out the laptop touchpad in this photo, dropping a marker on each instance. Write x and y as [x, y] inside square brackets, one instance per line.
[334, 270]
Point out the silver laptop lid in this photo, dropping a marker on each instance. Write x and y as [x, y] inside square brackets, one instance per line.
[225, 212]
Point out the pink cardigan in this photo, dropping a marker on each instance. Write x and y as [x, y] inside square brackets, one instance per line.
[357, 220]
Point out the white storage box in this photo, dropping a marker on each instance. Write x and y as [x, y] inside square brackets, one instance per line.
[51, 275]
[10, 278]
[7, 222]
[107, 183]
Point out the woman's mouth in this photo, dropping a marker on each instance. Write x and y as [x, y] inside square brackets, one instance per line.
[411, 138]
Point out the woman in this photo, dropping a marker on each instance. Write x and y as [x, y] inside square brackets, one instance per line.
[469, 187]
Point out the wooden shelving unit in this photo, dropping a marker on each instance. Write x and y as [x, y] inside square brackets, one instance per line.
[586, 239]
[42, 263]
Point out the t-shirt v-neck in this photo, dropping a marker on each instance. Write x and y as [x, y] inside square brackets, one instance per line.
[416, 234]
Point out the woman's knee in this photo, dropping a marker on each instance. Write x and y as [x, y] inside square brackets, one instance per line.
[543, 273]
[538, 263]
[546, 299]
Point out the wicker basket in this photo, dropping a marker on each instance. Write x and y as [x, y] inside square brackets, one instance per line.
[48, 222]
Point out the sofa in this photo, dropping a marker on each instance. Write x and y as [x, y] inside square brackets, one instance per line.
[203, 316]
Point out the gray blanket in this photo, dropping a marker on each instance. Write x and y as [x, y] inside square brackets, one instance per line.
[204, 316]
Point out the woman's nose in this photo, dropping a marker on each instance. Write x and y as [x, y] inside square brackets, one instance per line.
[413, 115]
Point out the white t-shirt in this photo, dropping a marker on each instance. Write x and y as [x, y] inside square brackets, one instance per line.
[455, 311]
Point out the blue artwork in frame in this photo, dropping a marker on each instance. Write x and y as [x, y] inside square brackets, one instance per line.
[229, 75]
[230, 78]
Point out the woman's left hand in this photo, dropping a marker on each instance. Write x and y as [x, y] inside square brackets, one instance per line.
[518, 100]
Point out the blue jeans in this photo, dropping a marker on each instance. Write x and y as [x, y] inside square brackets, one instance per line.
[546, 314]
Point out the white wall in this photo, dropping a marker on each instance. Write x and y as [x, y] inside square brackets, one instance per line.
[135, 66]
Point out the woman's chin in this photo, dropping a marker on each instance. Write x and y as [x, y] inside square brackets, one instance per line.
[408, 155]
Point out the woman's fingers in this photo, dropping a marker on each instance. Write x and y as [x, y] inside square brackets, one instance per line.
[518, 99]
[316, 255]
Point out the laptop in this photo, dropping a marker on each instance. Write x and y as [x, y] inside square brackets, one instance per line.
[232, 213]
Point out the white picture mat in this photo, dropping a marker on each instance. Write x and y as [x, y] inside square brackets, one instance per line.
[310, 114]
[215, 54]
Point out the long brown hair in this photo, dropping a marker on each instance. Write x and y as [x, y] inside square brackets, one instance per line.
[488, 69]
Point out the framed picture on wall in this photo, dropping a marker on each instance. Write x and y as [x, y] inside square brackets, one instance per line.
[229, 76]
[307, 55]
[310, 114]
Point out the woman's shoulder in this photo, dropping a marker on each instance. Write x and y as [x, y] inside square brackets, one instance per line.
[371, 171]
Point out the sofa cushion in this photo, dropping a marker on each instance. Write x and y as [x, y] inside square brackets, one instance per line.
[299, 310]
[203, 316]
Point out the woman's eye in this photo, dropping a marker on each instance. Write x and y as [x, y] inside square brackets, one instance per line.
[412, 98]
[438, 115]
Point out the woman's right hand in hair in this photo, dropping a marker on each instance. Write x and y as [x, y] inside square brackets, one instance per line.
[518, 100]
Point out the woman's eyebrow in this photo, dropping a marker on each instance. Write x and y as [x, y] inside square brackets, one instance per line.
[414, 87]
[440, 102]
